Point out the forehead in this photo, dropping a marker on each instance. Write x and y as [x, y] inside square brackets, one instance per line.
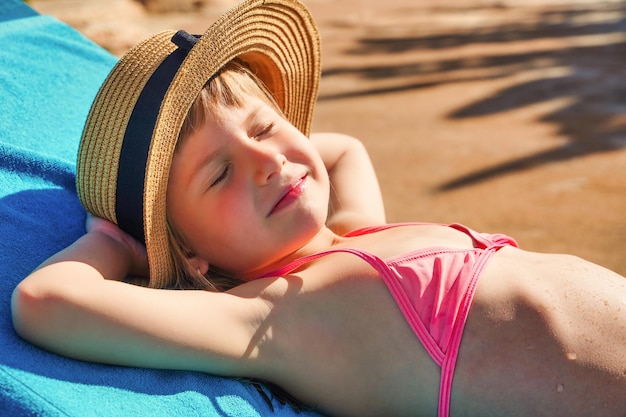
[246, 116]
[230, 89]
[234, 86]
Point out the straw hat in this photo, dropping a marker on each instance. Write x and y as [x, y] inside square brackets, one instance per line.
[131, 131]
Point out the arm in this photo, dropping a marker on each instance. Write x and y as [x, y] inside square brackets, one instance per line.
[355, 199]
[75, 305]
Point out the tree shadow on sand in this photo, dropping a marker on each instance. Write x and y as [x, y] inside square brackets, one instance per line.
[591, 77]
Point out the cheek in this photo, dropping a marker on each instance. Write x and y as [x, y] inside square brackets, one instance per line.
[322, 179]
[316, 162]
[217, 229]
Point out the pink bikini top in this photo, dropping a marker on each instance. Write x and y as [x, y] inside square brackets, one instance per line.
[433, 288]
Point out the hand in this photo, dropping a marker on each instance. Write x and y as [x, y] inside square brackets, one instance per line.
[135, 249]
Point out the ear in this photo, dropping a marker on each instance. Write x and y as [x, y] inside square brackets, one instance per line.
[198, 264]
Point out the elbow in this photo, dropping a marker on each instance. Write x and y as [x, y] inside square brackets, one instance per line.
[31, 310]
[24, 303]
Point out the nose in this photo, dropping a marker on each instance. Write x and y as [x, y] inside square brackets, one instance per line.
[266, 161]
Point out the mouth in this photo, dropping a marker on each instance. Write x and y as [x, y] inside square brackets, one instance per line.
[290, 195]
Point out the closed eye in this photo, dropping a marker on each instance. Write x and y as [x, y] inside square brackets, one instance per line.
[263, 130]
[223, 175]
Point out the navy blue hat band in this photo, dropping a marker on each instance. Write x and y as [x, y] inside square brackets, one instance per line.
[138, 136]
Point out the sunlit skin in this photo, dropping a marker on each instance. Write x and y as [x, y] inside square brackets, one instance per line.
[248, 190]
[546, 334]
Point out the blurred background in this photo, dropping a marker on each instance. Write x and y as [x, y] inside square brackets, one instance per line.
[505, 115]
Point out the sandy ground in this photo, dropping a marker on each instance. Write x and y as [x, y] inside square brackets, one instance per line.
[506, 115]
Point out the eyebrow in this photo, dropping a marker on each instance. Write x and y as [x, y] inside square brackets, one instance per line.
[199, 170]
[200, 174]
[254, 113]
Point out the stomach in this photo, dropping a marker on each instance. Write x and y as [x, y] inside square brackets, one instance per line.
[548, 333]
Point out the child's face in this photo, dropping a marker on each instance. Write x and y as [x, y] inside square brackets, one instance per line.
[247, 190]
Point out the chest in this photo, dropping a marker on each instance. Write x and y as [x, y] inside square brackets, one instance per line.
[346, 343]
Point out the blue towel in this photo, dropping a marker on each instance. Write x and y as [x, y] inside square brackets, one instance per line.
[49, 75]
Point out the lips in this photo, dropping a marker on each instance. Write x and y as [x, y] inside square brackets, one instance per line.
[289, 195]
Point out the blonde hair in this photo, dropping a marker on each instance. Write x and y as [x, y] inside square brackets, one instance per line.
[229, 88]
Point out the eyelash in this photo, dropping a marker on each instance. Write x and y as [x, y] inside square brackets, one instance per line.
[222, 176]
[264, 130]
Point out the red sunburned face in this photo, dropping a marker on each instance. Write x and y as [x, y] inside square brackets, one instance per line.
[247, 190]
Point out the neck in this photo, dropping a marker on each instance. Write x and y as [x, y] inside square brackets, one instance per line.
[324, 240]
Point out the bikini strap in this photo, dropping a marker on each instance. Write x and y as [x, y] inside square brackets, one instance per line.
[374, 229]
[377, 263]
[486, 240]
[372, 259]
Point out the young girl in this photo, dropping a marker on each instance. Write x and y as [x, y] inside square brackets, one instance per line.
[312, 290]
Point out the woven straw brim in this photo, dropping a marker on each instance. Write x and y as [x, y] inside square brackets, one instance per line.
[277, 39]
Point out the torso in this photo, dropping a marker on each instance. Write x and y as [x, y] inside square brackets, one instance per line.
[340, 340]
